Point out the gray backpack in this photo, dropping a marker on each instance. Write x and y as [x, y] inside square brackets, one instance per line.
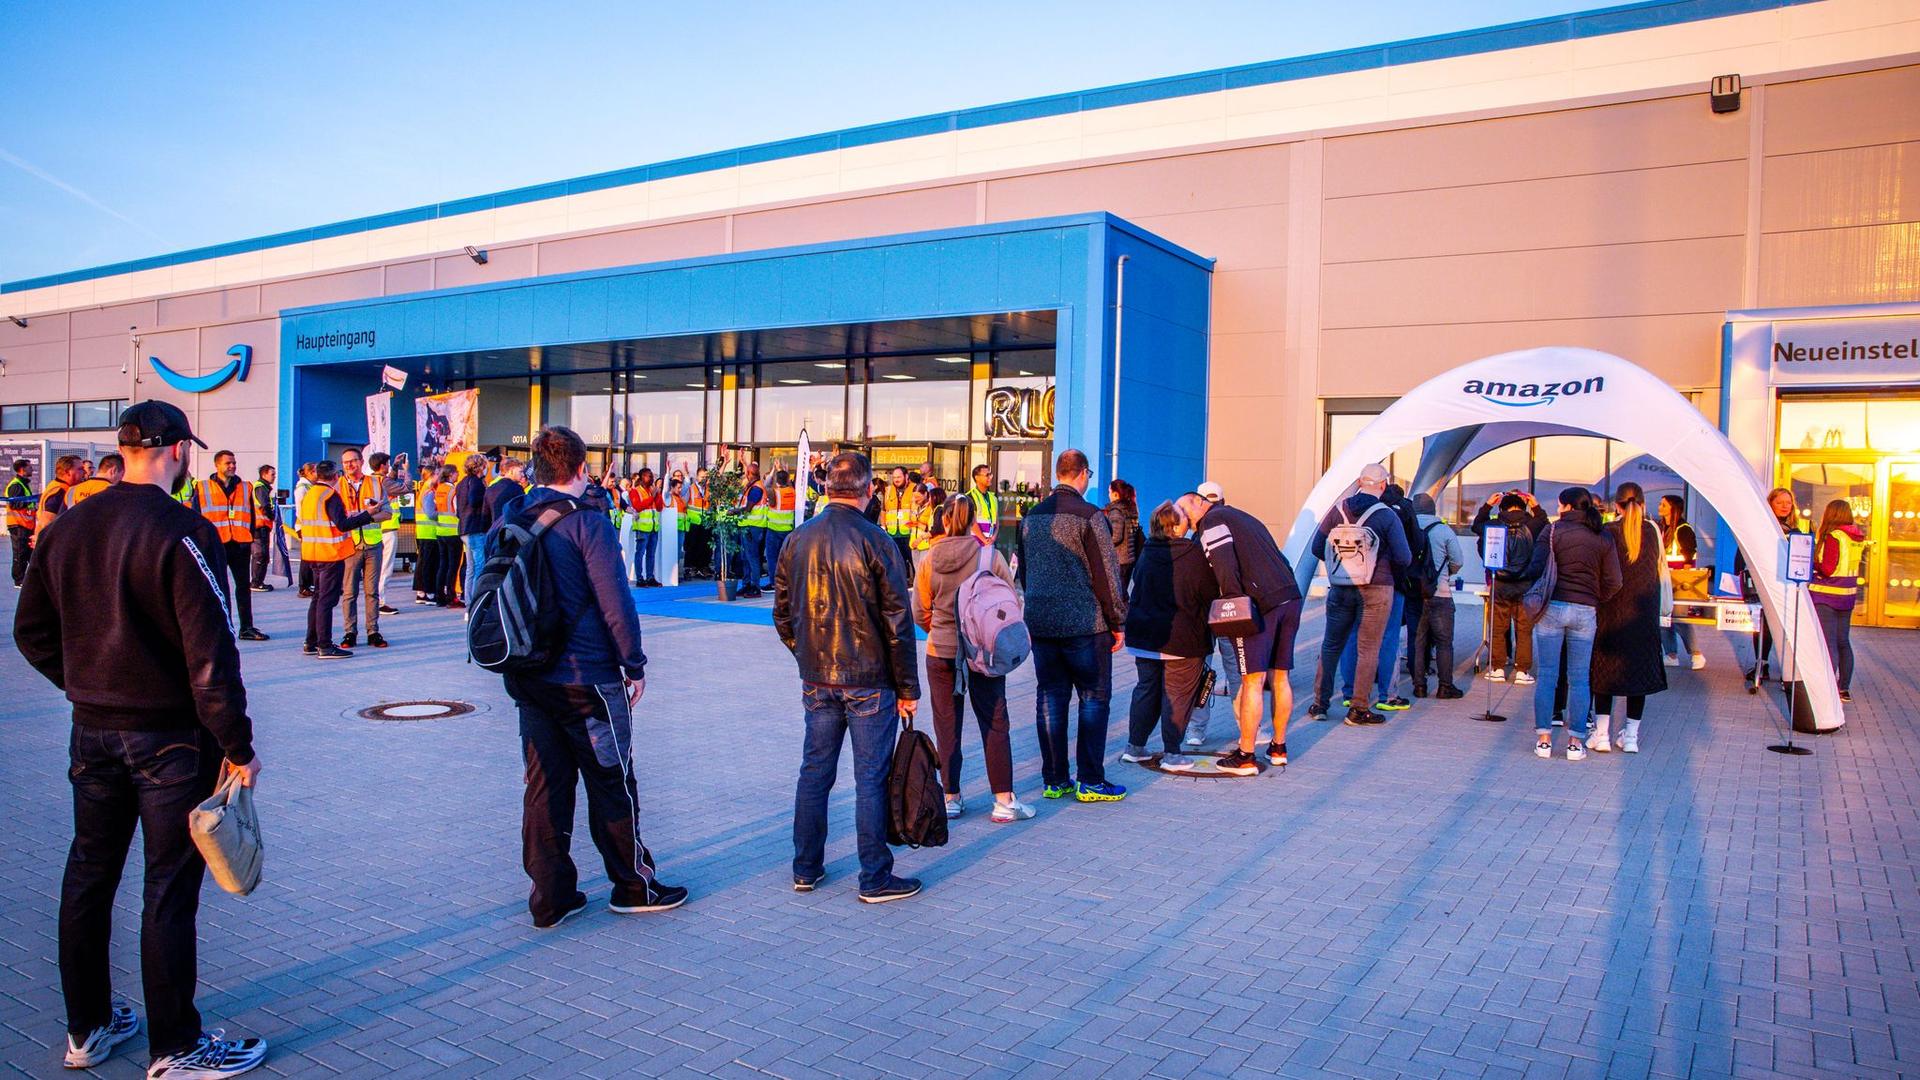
[993, 629]
[1352, 549]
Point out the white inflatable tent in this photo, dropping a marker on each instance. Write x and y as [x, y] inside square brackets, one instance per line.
[1580, 391]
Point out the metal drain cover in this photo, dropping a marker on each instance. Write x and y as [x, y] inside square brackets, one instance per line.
[415, 710]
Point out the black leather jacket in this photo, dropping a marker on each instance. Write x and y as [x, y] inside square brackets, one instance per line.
[842, 604]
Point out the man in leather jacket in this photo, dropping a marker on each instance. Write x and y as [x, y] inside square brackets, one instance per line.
[841, 605]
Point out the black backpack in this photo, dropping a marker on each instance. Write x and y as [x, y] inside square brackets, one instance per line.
[916, 801]
[515, 621]
[1424, 571]
[1519, 553]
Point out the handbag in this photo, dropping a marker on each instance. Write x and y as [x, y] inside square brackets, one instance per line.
[1534, 601]
[1234, 617]
[226, 829]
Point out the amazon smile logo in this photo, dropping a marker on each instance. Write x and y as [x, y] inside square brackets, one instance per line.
[235, 369]
[1521, 395]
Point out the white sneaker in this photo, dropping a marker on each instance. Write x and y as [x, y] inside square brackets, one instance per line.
[213, 1059]
[1575, 752]
[1670, 660]
[955, 806]
[1004, 813]
[1543, 746]
[1496, 675]
[1193, 742]
[99, 1043]
[1599, 743]
[1630, 738]
[1521, 678]
[1698, 661]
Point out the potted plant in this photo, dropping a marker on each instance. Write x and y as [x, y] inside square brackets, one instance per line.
[725, 485]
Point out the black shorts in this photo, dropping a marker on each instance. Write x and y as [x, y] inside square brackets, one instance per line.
[1271, 647]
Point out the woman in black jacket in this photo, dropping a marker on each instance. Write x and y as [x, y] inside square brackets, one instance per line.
[1586, 575]
[1626, 650]
[1173, 588]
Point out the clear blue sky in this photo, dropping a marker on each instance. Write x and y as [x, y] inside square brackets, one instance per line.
[135, 129]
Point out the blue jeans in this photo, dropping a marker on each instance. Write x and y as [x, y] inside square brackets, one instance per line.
[1060, 667]
[1574, 626]
[476, 545]
[645, 545]
[1384, 674]
[777, 539]
[1677, 640]
[873, 718]
[753, 551]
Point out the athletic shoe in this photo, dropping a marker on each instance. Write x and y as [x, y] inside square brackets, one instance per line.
[421, 601]
[1495, 675]
[1347, 702]
[1600, 744]
[121, 1025]
[1237, 763]
[657, 897]
[259, 588]
[807, 884]
[389, 609]
[333, 652]
[1193, 742]
[1576, 752]
[1449, 692]
[1364, 718]
[1394, 704]
[349, 639]
[213, 1058]
[1630, 739]
[955, 806]
[1176, 763]
[1544, 747]
[309, 649]
[1559, 719]
[1058, 791]
[1670, 659]
[305, 594]
[1419, 690]
[1007, 813]
[1136, 755]
[579, 905]
[1521, 678]
[252, 634]
[1277, 754]
[895, 889]
[1697, 662]
[374, 639]
[1317, 713]
[1101, 792]
[1846, 697]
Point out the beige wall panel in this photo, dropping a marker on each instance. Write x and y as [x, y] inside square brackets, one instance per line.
[1611, 138]
[503, 264]
[1157, 186]
[874, 215]
[1240, 238]
[205, 307]
[1249, 300]
[1248, 364]
[409, 277]
[96, 322]
[32, 386]
[1367, 362]
[1868, 265]
[322, 289]
[1866, 109]
[1672, 277]
[39, 330]
[97, 352]
[49, 357]
[1706, 199]
[1870, 185]
[629, 247]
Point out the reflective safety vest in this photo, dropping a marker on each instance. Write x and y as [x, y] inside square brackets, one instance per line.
[697, 507]
[1845, 579]
[47, 493]
[262, 493]
[446, 520]
[646, 516]
[424, 525]
[20, 504]
[896, 510]
[986, 512]
[392, 524]
[1677, 559]
[756, 516]
[680, 509]
[320, 542]
[92, 485]
[923, 528]
[780, 513]
[356, 498]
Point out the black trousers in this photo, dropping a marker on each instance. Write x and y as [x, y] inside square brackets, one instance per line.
[1435, 629]
[570, 733]
[262, 557]
[122, 779]
[989, 696]
[426, 569]
[451, 553]
[1164, 693]
[20, 539]
[327, 577]
[239, 570]
[306, 575]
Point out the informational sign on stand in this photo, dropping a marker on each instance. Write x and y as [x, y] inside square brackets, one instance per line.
[1796, 558]
[1739, 618]
[1496, 545]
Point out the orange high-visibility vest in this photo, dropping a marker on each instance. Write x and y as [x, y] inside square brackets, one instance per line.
[92, 485]
[319, 540]
[20, 516]
[232, 514]
[355, 499]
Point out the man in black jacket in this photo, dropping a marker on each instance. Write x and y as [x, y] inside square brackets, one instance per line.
[261, 555]
[123, 609]
[1246, 562]
[576, 716]
[841, 605]
[1508, 626]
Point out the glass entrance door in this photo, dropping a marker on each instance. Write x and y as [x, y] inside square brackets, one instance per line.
[1884, 493]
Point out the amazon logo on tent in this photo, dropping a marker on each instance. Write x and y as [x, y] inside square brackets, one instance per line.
[234, 369]
[1521, 395]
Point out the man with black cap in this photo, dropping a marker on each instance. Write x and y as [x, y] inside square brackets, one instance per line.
[153, 671]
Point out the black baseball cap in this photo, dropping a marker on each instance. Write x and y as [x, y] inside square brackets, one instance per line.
[155, 423]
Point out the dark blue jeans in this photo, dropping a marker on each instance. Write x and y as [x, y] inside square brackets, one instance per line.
[1060, 667]
[753, 552]
[872, 717]
[1384, 674]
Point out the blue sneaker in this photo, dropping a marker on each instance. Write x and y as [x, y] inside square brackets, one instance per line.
[1058, 791]
[1102, 792]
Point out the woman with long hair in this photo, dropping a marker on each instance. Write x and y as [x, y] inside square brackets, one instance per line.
[1586, 575]
[1786, 514]
[1173, 588]
[1838, 548]
[1123, 521]
[1680, 547]
[1626, 644]
[956, 556]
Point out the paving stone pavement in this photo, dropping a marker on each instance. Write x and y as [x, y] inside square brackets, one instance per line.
[1425, 900]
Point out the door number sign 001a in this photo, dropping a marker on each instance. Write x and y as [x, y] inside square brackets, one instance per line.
[1019, 412]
